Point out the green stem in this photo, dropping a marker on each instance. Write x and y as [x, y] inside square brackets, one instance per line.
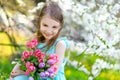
[36, 77]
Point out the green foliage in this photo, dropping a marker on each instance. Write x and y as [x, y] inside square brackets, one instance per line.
[88, 59]
[32, 59]
[85, 59]
[73, 74]
[108, 74]
[23, 67]
[5, 68]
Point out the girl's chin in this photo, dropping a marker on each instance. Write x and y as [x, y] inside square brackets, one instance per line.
[48, 38]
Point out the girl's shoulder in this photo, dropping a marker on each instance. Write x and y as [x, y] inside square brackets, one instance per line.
[62, 40]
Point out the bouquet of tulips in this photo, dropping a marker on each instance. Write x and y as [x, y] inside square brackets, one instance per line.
[36, 63]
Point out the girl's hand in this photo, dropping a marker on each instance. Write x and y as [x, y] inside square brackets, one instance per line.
[15, 73]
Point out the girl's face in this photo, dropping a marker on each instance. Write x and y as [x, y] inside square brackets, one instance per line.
[49, 27]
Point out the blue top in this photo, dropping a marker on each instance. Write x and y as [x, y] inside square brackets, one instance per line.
[60, 75]
[53, 47]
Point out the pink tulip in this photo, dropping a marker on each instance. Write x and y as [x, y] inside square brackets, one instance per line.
[32, 44]
[27, 72]
[26, 54]
[40, 60]
[30, 66]
[29, 45]
[54, 67]
[39, 54]
[54, 57]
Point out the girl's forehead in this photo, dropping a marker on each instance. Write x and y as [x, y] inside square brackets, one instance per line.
[48, 19]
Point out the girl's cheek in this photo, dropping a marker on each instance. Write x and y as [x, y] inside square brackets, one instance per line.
[43, 28]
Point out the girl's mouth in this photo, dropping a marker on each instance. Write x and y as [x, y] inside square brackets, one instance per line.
[48, 35]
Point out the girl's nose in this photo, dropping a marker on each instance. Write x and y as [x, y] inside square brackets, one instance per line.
[49, 31]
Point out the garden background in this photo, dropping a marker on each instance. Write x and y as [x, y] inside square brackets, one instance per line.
[92, 27]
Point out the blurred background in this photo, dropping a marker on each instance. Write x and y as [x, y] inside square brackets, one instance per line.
[92, 27]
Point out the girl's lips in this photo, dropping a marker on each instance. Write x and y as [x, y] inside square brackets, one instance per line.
[48, 35]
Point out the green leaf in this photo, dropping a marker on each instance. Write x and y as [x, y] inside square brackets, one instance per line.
[47, 65]
[23, 67]
[40, 70]
[36, 63]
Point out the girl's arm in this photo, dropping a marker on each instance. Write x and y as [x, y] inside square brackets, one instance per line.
[16, 71]
[60, 52]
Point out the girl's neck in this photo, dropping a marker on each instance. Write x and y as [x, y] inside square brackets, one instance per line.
[46, 41]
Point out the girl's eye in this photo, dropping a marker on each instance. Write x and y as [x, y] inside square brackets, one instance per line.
[54, 27]
[45, 25]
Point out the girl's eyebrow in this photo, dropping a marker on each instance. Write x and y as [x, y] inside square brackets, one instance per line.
[44, 23]
[56, 26]
[53, 25]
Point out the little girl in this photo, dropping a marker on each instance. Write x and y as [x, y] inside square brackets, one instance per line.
[50, 23]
